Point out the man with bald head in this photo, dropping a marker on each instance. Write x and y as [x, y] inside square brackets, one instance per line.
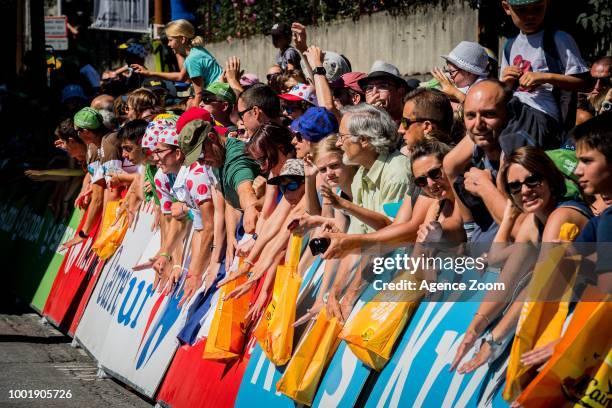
[474, 163]
[600, 75]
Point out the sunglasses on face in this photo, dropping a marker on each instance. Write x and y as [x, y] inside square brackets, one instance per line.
[604, 81]
[208, 100]
[407, 122]
[272, 77]
[291, 186]
[128, 149]
[433, 174]
[532, 181]
[298, 136]
[242, 113]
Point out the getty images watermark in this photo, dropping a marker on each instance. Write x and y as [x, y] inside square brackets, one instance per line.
[412, 264]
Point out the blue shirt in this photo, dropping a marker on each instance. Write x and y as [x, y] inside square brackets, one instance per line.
[201, 63]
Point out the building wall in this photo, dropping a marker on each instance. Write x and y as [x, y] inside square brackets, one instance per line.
[413, 43]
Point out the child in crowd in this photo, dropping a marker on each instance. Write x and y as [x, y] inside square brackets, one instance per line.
[544, 67]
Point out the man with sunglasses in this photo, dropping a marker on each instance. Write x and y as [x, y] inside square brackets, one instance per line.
[219, 99]
[601, 71]
[425, 111]
[257, 105]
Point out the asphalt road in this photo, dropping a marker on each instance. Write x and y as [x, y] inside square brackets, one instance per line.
[35, 356]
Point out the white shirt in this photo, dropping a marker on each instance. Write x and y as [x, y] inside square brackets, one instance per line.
[528, 54]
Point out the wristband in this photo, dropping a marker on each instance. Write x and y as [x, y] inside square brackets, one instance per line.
[255, 236]
[83, 234]
[166, 255]
[484, 317]
[177, 266]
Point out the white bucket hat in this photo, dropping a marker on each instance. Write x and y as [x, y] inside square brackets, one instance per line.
[469, 56]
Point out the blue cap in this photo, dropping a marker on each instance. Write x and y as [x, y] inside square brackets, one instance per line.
[315, 124]
[73, 91]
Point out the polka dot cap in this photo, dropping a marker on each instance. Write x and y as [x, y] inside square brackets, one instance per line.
[154, 129]
[302, 92]
[168, 136]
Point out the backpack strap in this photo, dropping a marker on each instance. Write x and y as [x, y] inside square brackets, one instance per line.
[507, 48]
[555, 65]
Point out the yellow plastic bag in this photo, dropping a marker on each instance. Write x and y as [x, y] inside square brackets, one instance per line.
[373, 331]
[301, 378]
[540, 322]
[228, 330]
[114, 227]
[597, 393]
[577, 358]
[274, 332]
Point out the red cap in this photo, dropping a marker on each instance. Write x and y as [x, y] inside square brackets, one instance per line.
[192, 114]
[349, 80]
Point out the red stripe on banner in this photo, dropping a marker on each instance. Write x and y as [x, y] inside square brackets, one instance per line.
[192, 382]
[73, 283]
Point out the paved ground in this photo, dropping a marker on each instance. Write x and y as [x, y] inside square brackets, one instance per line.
[34, 356]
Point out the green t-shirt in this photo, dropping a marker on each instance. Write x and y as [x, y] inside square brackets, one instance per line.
[201, 63]
[238, 167]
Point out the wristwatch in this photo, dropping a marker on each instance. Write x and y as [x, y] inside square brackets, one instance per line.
[319, 71]
[82, 234]
[489, 339]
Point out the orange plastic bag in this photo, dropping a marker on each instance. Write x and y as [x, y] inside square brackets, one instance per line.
[577, 357]
[114, 227]
[301, 378]
[227, 333]
[275, 329]
[540, 322]
[373, 331]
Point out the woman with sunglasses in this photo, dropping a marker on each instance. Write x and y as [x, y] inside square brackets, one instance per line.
[536, 188]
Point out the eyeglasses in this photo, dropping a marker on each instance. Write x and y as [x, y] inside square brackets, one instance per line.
[241, 113]
[291, 186]
[532, 181]
[451, 72]
[407, 122]
[384, 86]
[271, 77]
[433, 174]
[157, 152]
[343, 136]
[208, 100]
[128, 149]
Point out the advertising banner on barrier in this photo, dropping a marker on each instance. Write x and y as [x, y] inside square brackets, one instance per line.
[31, 233]
[418, 373]
[46, 281]
[94, 325]
[258, 386]
[140, 324]
[218, 381]
[67, 295]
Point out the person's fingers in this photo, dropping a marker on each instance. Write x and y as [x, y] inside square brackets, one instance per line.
[460, 353]
[306, 318]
